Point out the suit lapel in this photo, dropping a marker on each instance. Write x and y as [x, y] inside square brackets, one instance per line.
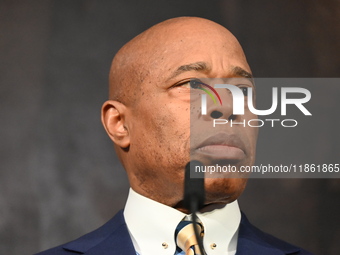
[111, 239]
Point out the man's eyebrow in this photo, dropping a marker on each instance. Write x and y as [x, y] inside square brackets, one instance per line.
[204, 67]
[238, 71]
[197, 66]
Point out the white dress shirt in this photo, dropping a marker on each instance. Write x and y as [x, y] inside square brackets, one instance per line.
[152, 226]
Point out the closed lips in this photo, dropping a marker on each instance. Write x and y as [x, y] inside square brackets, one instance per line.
[222, 146]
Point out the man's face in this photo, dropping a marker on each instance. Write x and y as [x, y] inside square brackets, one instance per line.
[159, 120]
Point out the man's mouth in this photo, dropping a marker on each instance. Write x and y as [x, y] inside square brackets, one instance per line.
[222, 146]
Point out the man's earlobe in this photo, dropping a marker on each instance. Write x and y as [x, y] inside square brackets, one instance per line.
[113, 119]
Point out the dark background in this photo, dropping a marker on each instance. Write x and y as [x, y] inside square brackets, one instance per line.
[59, 176]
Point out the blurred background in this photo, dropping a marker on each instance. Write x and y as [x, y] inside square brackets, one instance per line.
[59, 175]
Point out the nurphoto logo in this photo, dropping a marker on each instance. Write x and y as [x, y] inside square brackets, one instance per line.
[245, 94]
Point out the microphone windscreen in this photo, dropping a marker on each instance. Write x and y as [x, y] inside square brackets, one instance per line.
[193, 187]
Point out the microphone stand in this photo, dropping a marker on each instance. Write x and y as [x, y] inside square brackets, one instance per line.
[194, 197]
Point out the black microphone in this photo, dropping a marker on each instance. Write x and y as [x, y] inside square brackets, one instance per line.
[194, 194]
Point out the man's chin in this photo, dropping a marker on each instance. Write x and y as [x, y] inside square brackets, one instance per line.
[223, 190]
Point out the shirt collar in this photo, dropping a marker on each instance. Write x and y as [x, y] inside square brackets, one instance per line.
[152, 226]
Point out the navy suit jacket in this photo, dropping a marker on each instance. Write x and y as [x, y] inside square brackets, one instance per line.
[113, 239]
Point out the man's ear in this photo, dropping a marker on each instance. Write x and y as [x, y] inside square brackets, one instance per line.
[113, 119]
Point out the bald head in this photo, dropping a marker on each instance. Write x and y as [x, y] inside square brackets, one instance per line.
[138, 59]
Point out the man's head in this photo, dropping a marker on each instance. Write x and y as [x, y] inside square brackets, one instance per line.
[148, 114]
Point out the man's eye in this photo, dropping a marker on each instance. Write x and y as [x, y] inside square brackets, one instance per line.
[244, 91]
[185, 84]
[195, 84]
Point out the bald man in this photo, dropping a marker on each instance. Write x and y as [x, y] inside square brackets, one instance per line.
[148, 116]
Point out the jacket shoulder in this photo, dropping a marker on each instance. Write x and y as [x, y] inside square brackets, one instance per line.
[254, 241]
[112, 237]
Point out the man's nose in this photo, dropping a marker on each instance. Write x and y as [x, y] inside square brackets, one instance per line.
[221, 111]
